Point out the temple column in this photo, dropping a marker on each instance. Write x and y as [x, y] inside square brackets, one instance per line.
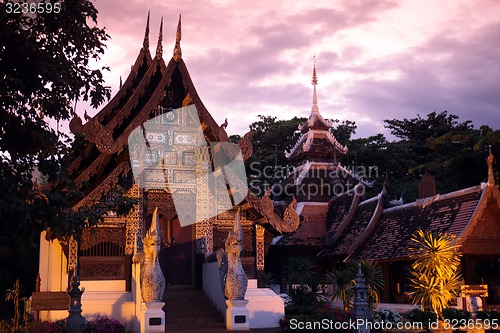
[133, 220]
[72, 257]
[204, 202]
[260, 251]
[132, 228]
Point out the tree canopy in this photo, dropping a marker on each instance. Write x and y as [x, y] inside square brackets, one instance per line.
[453, 152]
[44, 68]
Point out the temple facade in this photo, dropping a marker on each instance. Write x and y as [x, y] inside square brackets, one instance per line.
[320, 210]
[182, 157]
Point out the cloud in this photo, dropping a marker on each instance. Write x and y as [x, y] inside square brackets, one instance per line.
[460, 75]
[376, 59]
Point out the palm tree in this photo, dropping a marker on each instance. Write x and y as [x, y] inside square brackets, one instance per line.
[343, 282]
[307, 297]
[434, 274]
[299, 270]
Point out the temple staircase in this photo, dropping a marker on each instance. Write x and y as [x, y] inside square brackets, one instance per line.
[191, 311]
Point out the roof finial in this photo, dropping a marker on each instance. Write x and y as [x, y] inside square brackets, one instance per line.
[159, 48]
[177, 49]
[314, 78]
[314, 82]
[121, 84]
[145, 43]
[491, 175]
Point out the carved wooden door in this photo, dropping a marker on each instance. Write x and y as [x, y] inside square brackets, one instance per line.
[177, 256]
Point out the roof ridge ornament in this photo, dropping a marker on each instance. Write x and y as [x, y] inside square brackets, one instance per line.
[177, 56]
[159, 47]
[145, 43]
[491, 174]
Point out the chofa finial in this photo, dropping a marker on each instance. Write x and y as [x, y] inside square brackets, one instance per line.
[159, 47]
[177, 48]
[145, 43]
[491, 174]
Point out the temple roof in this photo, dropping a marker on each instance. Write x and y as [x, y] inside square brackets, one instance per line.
[366, 230]
[152, 88]
[311, 231]
[448, 213]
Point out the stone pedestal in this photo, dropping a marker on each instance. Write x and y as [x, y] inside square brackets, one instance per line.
[152, 317]
[237, 315]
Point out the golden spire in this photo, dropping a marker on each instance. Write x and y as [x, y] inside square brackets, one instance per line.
[314, 82]
[145, 43]
[491, 175]
[177, 49]
[159, 47]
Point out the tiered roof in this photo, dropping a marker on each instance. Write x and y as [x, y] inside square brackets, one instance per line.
[153, 87]
[150, 84]
[316, 143]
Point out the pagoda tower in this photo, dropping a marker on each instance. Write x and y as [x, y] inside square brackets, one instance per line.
[317, 175]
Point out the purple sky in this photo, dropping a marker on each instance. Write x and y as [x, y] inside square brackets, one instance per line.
[376, 60]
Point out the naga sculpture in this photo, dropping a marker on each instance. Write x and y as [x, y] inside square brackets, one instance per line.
[152, 279]
[234, 281]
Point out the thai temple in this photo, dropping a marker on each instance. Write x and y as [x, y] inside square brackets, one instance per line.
[306, 214]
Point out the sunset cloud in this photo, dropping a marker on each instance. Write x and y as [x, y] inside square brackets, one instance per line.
[376, 60]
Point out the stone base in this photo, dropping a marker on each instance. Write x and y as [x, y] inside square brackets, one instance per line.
[237, 315]
[152, 317]
[75, 324]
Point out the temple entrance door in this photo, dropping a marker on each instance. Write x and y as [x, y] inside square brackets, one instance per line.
[177, 256]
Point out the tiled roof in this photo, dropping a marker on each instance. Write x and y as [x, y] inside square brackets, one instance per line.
[448, 213]
[320, 146]
[338, 210]
[312, 230]
[358, 224]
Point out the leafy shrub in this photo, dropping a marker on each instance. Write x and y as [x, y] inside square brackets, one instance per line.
[424, 317]
[45, 327]
[452, 313]
[337, 315]
[491, 314]
[104, 325]
[387, 316]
